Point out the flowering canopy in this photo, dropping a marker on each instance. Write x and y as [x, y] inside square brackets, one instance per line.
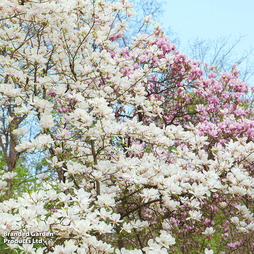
[146, 154]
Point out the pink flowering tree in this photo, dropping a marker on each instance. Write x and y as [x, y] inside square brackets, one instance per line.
[145, 154]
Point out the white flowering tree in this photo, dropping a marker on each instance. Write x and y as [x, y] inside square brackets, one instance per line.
[154, 180]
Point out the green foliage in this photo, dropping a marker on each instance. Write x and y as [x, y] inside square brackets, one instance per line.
[24, 181]
[26, 178]
[3, 163]
[4, 248]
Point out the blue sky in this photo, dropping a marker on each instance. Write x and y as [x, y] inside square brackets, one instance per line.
[209, 19]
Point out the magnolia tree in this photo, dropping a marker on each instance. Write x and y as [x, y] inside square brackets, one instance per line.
[146, 155]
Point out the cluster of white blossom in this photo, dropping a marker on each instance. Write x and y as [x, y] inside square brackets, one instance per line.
[123, 185]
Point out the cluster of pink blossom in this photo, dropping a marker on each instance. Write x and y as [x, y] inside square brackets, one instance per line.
[146, 155]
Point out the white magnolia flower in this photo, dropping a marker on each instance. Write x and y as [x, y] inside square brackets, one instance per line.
[171, 204]
[43, 176]
[127, 227]
[209, 231]
[152, 248]
[106, 199]
[150, 194]
[27, 248]
[65, 186]
[104, 228]
[20, 131]
[194, 215]
[235, 220]
[3, 184]
[208, 251]
[165, 239]
[46, 121]
[9, 175]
